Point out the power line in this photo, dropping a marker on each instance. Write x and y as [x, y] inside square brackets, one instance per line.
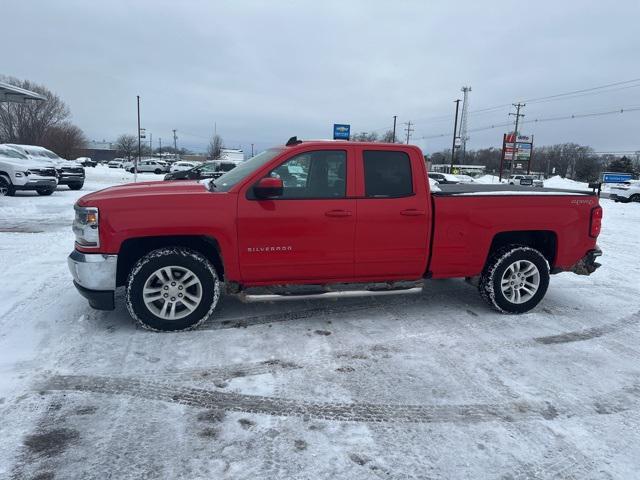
[541, 120]
[559, 96]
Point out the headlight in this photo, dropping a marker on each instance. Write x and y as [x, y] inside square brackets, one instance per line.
[85, 226]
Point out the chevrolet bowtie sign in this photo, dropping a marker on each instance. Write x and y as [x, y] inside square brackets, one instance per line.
[341, 131]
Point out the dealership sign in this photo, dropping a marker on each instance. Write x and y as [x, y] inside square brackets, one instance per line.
[341, 131]
[616, 177]
[516, 152]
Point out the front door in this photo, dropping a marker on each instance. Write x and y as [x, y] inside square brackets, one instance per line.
[308, 232]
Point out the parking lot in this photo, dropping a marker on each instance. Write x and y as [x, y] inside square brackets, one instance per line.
[430, 385]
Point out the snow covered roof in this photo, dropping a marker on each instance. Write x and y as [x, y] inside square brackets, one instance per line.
[10, 93]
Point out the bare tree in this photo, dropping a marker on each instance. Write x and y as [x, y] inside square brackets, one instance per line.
[365, 137]
[28, 122]
[214, 150]
[127, 145]
[65, 139]
[387, 137]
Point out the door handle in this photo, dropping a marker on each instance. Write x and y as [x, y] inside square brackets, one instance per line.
[412, 212]
[338, 213]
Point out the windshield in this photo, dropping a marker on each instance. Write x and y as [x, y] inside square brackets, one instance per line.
[231, 178]
[11, 153]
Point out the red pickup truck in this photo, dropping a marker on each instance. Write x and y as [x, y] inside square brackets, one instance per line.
[326, 217]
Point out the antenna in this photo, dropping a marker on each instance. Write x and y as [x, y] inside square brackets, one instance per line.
[463, 121]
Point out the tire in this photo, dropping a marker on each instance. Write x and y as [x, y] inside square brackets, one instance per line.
[132, 170]
[76, 186]
[6, 187]
[635, 197]
[162, 272]
[157, 171]
[45, 191]
[505, 265]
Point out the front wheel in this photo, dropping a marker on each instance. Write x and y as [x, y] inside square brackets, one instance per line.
[157, 171]
[635, 197]
[45, 191]
[515, 279]
[172, 289]
[76, 186]
[6, 187]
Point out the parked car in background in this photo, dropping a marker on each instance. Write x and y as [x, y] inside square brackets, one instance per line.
[464, 178]
[86, 162]
[525, 180]
[69, 172]
[444, 178]
[182, 166]
[19, 172]
[212, 169]
[116, 163]
[625, 192]
[155, 166]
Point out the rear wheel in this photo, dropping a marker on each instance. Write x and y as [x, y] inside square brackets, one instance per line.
[172, 289]
[157, 171]
[45, 191]
[132, 170]
[515, 279]
[76, 186]
[635, 197]
[6, 187]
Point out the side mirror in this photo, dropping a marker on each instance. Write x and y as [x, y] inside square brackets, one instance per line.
[268, 187]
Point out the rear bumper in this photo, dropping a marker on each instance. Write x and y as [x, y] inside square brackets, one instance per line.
[94, 275]
[587, 264]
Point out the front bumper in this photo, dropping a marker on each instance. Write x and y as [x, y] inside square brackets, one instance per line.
[35, 184]
[587, 264]
[94, 275]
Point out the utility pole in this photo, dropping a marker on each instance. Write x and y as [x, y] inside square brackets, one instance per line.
[394, 128]
[252, 150]
[160, 147]
[408, 129]
[455, 129]
[135, 166]
[151, 143]
[515, 135]
[175, 145]
[463, 122]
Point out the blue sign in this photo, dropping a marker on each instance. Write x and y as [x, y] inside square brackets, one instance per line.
[616, 177]
[341, 131]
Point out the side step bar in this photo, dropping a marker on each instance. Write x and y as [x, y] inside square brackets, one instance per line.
[372, 290]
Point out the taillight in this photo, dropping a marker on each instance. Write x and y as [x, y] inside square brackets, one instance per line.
[596, 222]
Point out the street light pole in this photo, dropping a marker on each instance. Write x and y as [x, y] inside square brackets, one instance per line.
[394, 128]
[455, 129]
[135, 167]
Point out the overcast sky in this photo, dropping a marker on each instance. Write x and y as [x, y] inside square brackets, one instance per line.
[264, 71]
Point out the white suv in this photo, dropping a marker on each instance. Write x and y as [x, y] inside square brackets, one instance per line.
[154, 166]
[69, 172]
[19, 172]
[528, 180]
[625, 192]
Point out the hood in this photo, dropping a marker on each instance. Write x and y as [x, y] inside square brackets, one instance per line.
[144, 189]
[25, 164]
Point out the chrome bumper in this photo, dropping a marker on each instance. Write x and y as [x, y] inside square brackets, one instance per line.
[93, 271]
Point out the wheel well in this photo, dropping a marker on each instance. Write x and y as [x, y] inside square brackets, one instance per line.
[543, 240]
[3, 173]
[134, 248]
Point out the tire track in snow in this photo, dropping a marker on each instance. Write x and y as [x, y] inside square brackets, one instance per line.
[616, 402]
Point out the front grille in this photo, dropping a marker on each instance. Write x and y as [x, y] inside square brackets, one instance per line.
[72, 170]
[43, 172]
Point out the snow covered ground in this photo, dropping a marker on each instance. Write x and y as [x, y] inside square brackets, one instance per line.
[432, 385]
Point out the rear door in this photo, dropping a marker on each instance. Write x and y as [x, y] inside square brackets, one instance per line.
[308, 232]
[393, 224]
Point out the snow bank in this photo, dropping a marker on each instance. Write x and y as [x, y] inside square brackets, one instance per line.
[559, 182]
[488, 179]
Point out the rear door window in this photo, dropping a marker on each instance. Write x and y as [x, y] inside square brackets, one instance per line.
[387, 174]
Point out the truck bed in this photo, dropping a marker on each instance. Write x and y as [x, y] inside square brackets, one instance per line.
[501, 189]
